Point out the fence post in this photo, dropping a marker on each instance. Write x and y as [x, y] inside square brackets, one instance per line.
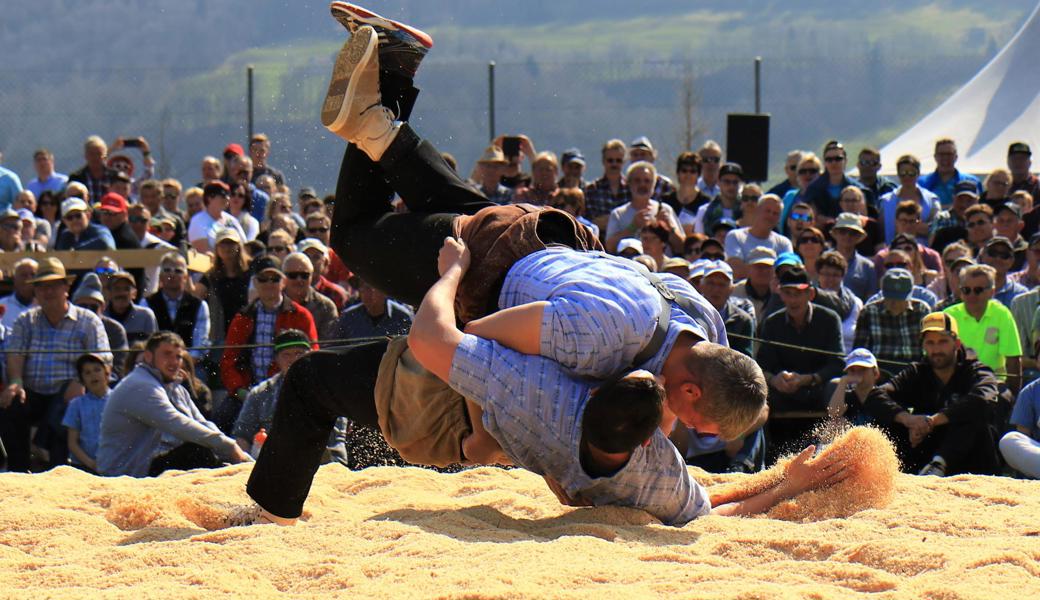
[249, 100]
[491, 100]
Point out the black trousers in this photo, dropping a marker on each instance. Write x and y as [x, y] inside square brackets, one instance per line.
[16, 421]
[966, 447]
[184, 458]
[395, 252]
[318, 388]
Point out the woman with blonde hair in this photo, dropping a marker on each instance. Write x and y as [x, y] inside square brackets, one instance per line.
[996, 186]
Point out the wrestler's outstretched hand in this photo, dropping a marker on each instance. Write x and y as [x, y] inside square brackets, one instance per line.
[806, 473]
[453, 252]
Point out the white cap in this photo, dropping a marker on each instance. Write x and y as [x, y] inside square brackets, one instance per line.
[72, 205]
[630, 243]
[313, 244]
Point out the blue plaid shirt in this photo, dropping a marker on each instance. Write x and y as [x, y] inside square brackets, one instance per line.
[33, 335]
[534, 411]
[263, 333]
[599, 200]
[602, 311]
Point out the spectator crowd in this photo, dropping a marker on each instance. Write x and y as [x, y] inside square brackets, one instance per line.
[911, 304]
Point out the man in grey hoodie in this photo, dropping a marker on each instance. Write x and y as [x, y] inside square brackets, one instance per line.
[151, 402]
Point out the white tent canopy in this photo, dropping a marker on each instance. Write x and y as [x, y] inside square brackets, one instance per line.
[1000, 105]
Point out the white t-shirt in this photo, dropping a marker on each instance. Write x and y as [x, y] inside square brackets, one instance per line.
[740, 242]
[204, 226]
[622, 216]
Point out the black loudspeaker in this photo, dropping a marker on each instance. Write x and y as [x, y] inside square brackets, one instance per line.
[747, 143]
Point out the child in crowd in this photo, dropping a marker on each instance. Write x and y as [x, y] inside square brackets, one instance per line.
[861, 375]
[83, 416]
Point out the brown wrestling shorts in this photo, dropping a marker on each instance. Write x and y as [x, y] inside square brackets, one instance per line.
[419, 415]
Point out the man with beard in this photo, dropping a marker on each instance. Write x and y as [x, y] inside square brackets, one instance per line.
[939, 411]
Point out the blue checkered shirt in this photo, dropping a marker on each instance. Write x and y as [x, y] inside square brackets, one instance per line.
[263, 333]
[599, 200]
[78, 331]
[533, 409]
[602, 311]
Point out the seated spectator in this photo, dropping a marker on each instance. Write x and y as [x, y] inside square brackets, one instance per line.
[692, 246]
[226, 285]
[823, 193]
[298, 275]
[241, 171]
[150, 424]
[938, 411]
[193, 203]
[257, 324]
[794, 157]
[647, 261]
[374, 316]
[642, 150]
[980, 226]
[952, 224]
[860, 377]
[83, 417]
[572, 201]
[676, 266]
[758, 286]
[655, 243]
[178, 311]
[800, 217]
[545, 169]
[874, 185]
[996, 187]
[853, 200]
[716, 284]
[88, 295]
[319, 255]
[726, 205]
[712, 249]
[925, 263]
[48, 210]
[999, 254]
[861, 274]
[319, 227]
[957, 264]
[809, 246]
[749, 197]
[280, 242]
[891, 326]
[722, 228]
[955, 250]
[629, 248]
[1021, 447]
[1007, 222]
[79, 233]
[22, 298]
[572, 163]
[152, 194]
[205, 225]
[900, 259]
[138, 321]
[797, 378]
[830, 270]
[258, 409]
[1030, 275]
[987, 326]
[11, 231]
[687, 198]
[239, 207]
[642, 210]
[740, 242]
[32, 241]
[909, 169]
[908, 216]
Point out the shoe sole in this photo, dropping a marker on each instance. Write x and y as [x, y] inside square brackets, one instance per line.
[359, 48]
[366, 17]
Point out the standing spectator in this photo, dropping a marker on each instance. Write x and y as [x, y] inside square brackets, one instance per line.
[980, 226]
[823, 193]
[874, 185]
[152, 192]
[83, 417]
[150, 424]
[999, 254]
[938, 411]
[41, 366]
[890, 327]
[996, 187]
[1007, 223]
[987, 326]
[489, 173]
[944, 180]
[48, 209]
[861, 276]
[259, 151]
[258, 323]
[642, 210]
[642, 150]
[374, 316]
[178, 311]
[115, 217]
[88, 295]
[725, 204]
[211, 169]
[47, 179]
[717, 286]
[1030, 275]
[298, 274]
[22, 298]
[611, 190]
[318, 253]
[140, 221]
[791, 171]
[909, 168]
[10, 187]
[242, 172]
[831, 268]
[204, 226]
[572, 163]
[952, 224]
[687, 198]
[171, 197]
[740, 242]
[797, 377]
[1019, 160]
[138, 321]
[543, 189]
[711, 161]
[96, 175]
[79, 232]
[239, 207]
[513, 176]
[1021, 447]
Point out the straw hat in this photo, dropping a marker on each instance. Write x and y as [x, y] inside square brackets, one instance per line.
[493, 156]
[51, 269]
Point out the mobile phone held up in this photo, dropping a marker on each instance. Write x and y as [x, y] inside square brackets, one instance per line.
[132, 142]
[511, 146]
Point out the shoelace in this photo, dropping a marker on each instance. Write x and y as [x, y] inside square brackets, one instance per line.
[391, 117]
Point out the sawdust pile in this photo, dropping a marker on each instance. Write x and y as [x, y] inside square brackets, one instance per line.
[488, 533]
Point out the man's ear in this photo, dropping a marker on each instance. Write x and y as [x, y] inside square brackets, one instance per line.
[812, 293]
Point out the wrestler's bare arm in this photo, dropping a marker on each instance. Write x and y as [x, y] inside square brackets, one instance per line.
[518, 328]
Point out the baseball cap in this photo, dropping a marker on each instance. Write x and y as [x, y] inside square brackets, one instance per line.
[291, 338]
[25, 214]
[9, 213]
[675, 262]
[73, 204]
[113, 203]
[788, 258]
[939, 321]
[897, 284]
[761, 255]
[966, 187]
[718, 266]
[313, 244]
[712, 242]
[850, 221]
[1019, 147]
[999, 240]
[228, 233]
[731, 168]
[795, 278]
[630, 244]
[642, 142]
[964, 260]
[114, 277]
[698, 267]
[726, 222]
[306, 192]
[1011, 206]
[860, 357]
[234, 149]
[267, 262]
[572, 155]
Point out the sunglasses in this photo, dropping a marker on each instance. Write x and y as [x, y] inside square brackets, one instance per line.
[810, 240]
[298, 275]
[173, 270]
[317, 229]
[800, 217]
[278, 248]
[268, 278]
[74, 216]
[977, 290]
[897, 265]
[974, 224]
[687, 170]
[870, 163]
[138, 220]
[834, 158]
[808, 171]
[170, 196]
[749, 198]
[711, 159]
[104, 270]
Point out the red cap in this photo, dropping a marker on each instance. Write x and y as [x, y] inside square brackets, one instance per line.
[234, 149]
[113, 202]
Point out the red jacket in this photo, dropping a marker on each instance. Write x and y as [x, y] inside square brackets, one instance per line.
[236, 368]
